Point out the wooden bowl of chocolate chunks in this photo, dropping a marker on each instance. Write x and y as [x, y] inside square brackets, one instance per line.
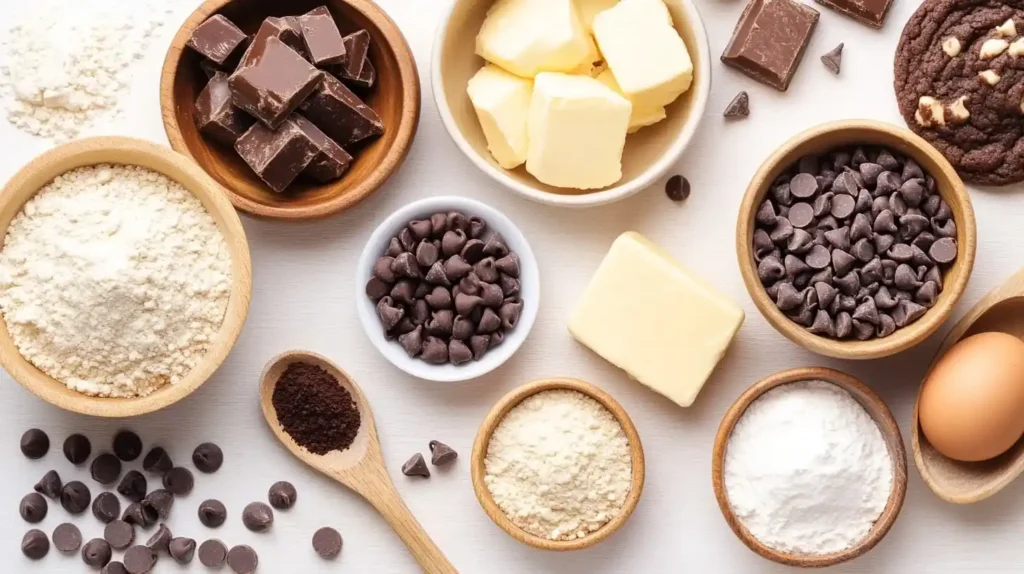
[298, 109]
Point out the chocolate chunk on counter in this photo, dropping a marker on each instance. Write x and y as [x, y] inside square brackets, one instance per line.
[77, 449]
[212, 553]
[242, 559]
[127, 446]
[341, 115]
[770, 40]
[217, 116]
[332, 162]
[358, 71]
[739, 107]
[870, 12]
[286, 30]
[208, 457]
[67, 538]
[218, 40]
[35, 444]
[272, 81]
[327, 542]
[323, 41]
[277, 156]
[35, 544]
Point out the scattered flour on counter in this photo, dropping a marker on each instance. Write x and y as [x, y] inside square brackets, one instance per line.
[65, 62]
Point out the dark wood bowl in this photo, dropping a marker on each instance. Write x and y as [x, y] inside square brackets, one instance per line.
[395, 98]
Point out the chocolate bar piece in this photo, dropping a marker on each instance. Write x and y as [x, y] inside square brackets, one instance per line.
[277, 156]
[323, 41]
[272, 81]
[216, 116]
[341, 114]
[366, 78]
[770, 40]
[332, 162]
[870, 12]
[284, 29]
[218, 39]
[354, 71]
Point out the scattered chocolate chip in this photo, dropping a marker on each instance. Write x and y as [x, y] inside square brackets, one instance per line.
[179, 481]
[77, 449]
[157, 503]
[114, 568]
[35, 544]
[119, 534]
[33, 508]
[677, 188]
[157, 461]
[106, 507]
[257, 517]
[35, 444]
[833, 60]
[75, 497]
[212, 513]
[282, 495]
[127, 445]
[212, 553]
[416, 466]
[139, 515]
[242, 559]
[96, 553]
[49, 485]
[441, 454]
[67, 538]
[160, 540]
[327, 542]
[739, 107]
[133, 487]
[139, 559]
[106, 468]
[182, 550]
[208, 458]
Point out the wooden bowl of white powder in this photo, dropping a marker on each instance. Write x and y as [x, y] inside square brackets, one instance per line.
[809, 468]
[125, 277]
[558, 464]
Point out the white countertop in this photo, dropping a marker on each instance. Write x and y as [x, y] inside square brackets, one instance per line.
[303, 298]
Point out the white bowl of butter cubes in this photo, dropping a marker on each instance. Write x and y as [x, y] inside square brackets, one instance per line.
[572, 102]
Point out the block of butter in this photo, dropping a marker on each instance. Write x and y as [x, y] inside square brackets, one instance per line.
[644, 51]
[641, 117]
[648, 315]
[527, 37]
[577, 132]
[591, 8]
[502, 103]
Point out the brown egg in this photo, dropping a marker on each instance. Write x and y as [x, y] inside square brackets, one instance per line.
[972, 403]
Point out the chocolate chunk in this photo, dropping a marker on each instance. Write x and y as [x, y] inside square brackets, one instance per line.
[218, 40]
[182, 549]
[33, 508]
[441, 454]
[416, 466]
[282, 495]
[257, 517]
[160, 501]
[341, 114]
[208, 457]
[139, 559]
[770, 39]
[870, 12]
[160, 540]
[119, 534]
[106, 468]
[327, 542]
[96, 553]
[35, 444]
[217, 117]
[242, 559]
[833, 60]
[323, 41]
[107, 507]
[277, 156]
[212, 553]
[67, 538]
[35, 544]
[357, 69]
[331, 162]
[157, 461]
[272, 81]
[739, 107]
[49, 485]
[943, 251]
[212, 513]
[75, 497]
[77, 449]
[677, 188]
[179, 481]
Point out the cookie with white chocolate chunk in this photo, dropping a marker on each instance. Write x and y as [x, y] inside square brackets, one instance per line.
[959, 79]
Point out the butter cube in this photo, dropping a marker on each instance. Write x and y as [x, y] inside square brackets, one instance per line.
[502, 103]
[591, 8]
[577, 131]
[644, 51]
[527, 37]
[641, 117]
[648, 315]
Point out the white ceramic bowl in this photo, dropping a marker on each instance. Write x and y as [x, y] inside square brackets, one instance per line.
[529, 291]
[649, 154]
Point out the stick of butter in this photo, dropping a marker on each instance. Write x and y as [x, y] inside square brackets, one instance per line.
[648, 315]
[644, 51]
[502, 103]
[577, 132]
[527, 37]
[641, 117]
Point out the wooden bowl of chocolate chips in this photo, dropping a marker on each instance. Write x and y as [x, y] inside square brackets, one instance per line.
[856, 239]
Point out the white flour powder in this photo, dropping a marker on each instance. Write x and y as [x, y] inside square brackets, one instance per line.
[67, 61]
[558, 465]
[807, 470]
[114, 280]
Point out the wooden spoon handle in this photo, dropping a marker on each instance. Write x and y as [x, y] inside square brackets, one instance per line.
[389, 503]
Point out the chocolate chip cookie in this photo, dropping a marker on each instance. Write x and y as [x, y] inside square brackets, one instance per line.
[959, 82]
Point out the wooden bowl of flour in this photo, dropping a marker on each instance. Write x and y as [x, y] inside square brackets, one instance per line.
[483, 440]
[876, 409]
[125, 151]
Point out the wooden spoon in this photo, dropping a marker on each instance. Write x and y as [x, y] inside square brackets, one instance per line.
[361, 466]
[968, 482]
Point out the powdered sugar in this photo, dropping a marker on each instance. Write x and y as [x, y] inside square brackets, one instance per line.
[807, 470]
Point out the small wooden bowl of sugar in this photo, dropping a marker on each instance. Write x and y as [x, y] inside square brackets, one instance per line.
[479, 465]
[876, 410]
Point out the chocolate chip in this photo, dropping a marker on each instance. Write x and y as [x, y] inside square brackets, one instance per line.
[677, 188]
[179, 481]
[412, 341]
[458, 352]
[453, 242]
[182, 549]
[456, 268]
[823, 324]
[96, 553]
[114, 567]
[739, 107]
[127, 445]
[106, 468]
[35, 545]
[119, 534]
[426, 254]
[35, 444]
[212, 513]
[139, 515]
[242, 559]
[212, 553]
[886, 326]
[420, 312]
[49, 485]
[509, 314]
[944, 250]
[160, 501]
[33, 508]
[160, 540]
[477, 227]
[389, 314]
[843, 206]
[416, 466]
[257, 517]
[441, 323]
[872, 272]
[67, 538]
[106, 507]
[435, 351]
[327, 542]
[139, 559]
[844, 325]
[421, 229]
[801, 215]
[75, 497]
[77, 449]
[406, 239]
[282, 495]
[885, 223]
[489, 322]
[394, 248]
[783, 230]
[496, 247]
[208, 458]
[441, 454]
[782, 194]
[867, 312]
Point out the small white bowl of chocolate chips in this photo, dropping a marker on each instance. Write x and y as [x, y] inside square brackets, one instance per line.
[449, 289]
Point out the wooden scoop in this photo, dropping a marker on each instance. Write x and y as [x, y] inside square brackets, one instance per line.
[968, 482]
[361, 466]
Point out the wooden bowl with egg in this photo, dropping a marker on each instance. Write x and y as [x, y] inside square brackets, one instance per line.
[649, 153]
[483, 438]
[116, 150]
[395, 98]
[875, 407]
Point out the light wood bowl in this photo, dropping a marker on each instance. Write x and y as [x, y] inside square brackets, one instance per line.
[483, 439]
[115, 150]
[395, 98]
[873, 404]
[959, 482]
[650, 153]
[821, 139]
